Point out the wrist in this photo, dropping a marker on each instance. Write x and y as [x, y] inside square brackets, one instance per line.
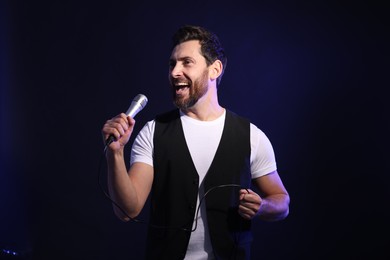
[114, 153]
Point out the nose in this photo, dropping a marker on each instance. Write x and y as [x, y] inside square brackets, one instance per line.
[176, 70]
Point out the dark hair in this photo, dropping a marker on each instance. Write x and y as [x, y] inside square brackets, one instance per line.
[211, 47]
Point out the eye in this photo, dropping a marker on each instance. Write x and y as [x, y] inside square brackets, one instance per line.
[187, 62]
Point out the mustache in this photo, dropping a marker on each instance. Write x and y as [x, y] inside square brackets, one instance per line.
[180, 82]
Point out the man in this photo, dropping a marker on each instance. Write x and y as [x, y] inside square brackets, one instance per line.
[198, 156]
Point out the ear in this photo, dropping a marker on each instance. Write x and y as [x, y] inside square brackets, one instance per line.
[215, 69]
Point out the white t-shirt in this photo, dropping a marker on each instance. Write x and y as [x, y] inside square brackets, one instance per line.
[202, 138]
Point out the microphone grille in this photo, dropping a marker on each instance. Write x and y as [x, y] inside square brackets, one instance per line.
[141, 99]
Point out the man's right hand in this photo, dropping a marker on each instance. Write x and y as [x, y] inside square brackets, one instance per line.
[121, 127]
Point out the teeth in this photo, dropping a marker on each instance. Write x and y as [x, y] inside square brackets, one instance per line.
[182, 84]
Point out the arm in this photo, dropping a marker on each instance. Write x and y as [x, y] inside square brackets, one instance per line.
[129, 189]
[271, 204]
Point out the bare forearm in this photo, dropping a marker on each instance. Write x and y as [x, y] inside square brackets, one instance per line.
[120, 187]
[274, 207]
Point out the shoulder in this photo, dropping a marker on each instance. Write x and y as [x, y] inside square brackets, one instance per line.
[259, 139]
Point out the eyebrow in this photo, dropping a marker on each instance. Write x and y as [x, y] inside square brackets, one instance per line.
[182, 58]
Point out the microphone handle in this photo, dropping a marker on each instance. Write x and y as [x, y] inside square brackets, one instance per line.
[110, 139]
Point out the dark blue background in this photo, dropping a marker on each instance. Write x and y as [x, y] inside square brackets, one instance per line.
[312, 76]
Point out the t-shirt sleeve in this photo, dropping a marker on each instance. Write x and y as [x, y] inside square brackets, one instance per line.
[142, 149]
[262, 153]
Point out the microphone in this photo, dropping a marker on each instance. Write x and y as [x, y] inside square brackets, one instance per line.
[138, 103]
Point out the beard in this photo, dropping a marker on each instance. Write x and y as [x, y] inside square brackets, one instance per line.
[197, 89]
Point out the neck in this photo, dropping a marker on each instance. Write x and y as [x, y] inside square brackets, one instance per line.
[206, 109]
[203, 115]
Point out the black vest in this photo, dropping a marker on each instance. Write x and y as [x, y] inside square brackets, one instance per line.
[175, 190]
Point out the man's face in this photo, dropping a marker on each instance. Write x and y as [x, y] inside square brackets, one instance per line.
[188, 74]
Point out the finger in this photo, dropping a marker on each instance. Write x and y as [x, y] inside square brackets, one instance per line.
[121, 118]
[250, 211]
[249, 205]
[243, 192]
[108, 129]
[124, 117]
[111, 131]
[126, 121]
[120, 126]
[252, 201]
[247, 198]
[131, 120]
[116, 126]
[123, 124]
[245, 212]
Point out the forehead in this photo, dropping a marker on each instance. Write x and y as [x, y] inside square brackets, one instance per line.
[187, 49]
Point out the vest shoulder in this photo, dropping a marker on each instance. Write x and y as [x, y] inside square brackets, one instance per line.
[233, 115]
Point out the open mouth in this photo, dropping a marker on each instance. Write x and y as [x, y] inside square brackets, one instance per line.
[181, 86]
